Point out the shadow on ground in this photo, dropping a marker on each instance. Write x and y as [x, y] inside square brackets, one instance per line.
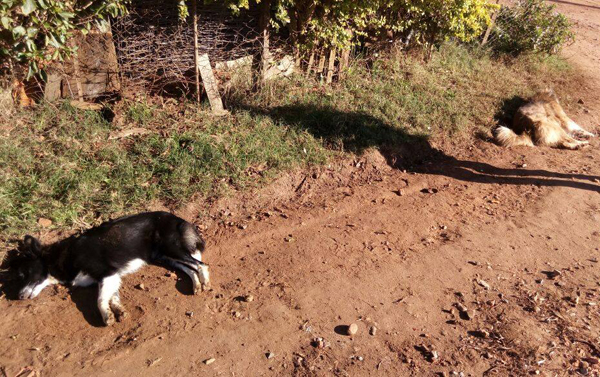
[355, 132]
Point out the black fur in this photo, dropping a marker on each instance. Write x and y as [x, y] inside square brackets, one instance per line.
[154, 237]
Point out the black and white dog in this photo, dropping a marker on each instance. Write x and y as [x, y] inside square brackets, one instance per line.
[106, 253]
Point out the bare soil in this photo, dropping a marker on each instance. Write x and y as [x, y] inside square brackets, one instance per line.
[477, 260]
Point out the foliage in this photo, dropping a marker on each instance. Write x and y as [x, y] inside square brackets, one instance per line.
[340, 23]
[36, 32]
[531, 25]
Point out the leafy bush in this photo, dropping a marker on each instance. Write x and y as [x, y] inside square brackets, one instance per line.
[36, 32]
[530, 26]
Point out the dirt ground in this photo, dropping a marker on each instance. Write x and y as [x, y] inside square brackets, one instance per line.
[472, 261]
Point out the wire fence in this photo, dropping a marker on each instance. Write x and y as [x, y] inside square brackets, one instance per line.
[155, 49]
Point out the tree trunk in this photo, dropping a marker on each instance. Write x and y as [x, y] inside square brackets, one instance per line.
[262, 55]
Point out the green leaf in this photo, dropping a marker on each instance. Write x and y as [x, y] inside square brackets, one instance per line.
[18, 32]
[32, 31]
[5, 22]
[28, 7]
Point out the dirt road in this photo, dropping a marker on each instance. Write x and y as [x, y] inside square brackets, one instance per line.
[479, 261]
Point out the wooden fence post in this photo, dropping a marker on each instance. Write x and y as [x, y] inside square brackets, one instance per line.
[331, 67]
[321, 65]
[196, 58]
[311, 62]
[344, 62]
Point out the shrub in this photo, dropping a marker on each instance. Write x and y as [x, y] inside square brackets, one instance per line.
[530, 26]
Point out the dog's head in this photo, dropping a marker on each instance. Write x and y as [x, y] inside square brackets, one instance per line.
[27, 268]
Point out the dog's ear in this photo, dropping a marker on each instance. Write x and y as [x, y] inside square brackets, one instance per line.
[10, 259]
[32, 246]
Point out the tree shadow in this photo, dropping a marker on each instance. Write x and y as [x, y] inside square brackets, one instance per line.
[356, 131]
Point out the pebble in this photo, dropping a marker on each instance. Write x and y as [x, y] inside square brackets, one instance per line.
[44, 223]
[209, 361]
[318, 343]
[483, 283]
[553, 274]
[270, 355]
[249, 298]
[461, 307]
[481, 333]
[141, 287]
[584, 368]
[373, 330]
[352, 329]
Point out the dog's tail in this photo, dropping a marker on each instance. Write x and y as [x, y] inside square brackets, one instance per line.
[508, 138]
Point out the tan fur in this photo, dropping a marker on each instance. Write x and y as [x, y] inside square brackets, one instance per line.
[20, 97]
[542, 122]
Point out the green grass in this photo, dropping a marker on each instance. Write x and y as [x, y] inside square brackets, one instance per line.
[58, 162]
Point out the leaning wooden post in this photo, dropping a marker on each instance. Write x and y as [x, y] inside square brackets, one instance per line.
[196, 58]
[210, 85]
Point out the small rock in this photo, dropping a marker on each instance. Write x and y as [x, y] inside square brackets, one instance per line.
[270, 355]
[483, 283]
[580, 101]
[169, 274]
[480, 333]
[141, 287]
[237, 314]
[189, 314]
[318, 343]
[461, 307]
[591, 360]
[360, 358]
[209, 361]
[584, 368]
[44, 223]
[469, 314]
[249, 298]
[352, 329]
[552, 274]
[373, 330]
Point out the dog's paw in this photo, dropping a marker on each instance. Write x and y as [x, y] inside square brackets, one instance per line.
[108, 318]
[121, 315]
[583, 134]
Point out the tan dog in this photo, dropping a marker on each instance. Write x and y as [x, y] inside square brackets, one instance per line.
[542, 122]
